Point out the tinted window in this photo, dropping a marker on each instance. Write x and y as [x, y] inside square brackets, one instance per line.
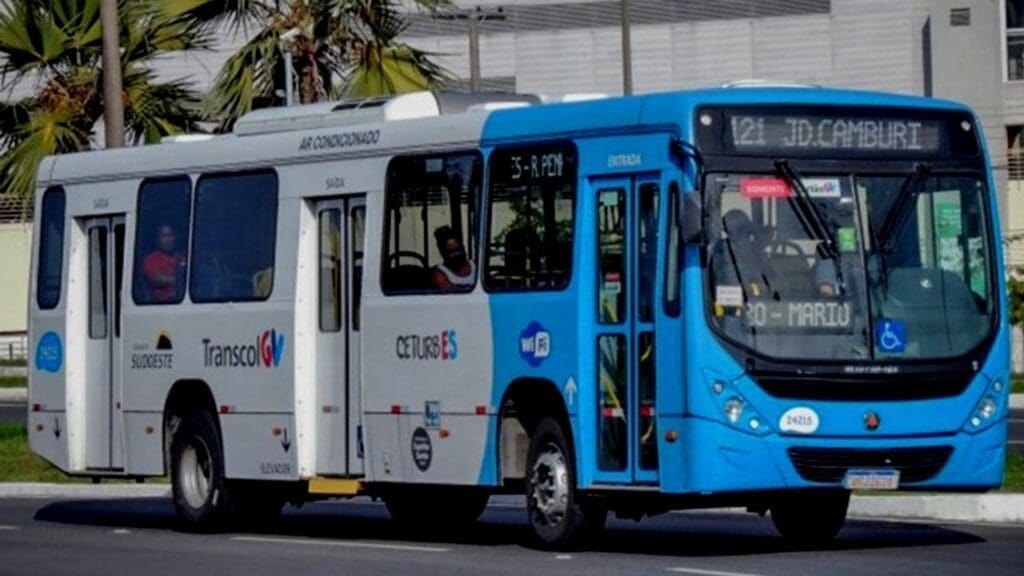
[430, 239]
[611, 256]
[98, 282]
[51, 249]
[330, 270]
[673, 253]
[161, 241]
[530, 231]
[235, 227]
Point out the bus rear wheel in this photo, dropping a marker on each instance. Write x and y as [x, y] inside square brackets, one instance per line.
[558, 516]
[197, 473]
[811, 518]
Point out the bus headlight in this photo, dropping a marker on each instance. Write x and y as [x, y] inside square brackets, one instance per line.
[987, 407]
[733, 409]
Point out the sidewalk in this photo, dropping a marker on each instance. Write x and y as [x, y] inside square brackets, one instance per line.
[14, 395]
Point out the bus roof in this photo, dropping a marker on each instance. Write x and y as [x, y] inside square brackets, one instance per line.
[473, 127]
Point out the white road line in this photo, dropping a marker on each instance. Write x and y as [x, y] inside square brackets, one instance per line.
[563, 557]
[340, 544]
[703, 572]
[9, 528]
[122, 531]
[1015, 442]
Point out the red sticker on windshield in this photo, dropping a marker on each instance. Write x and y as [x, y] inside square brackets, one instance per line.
[765, 188]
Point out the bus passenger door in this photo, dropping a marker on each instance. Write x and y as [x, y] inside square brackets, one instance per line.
[627, 249]
[104, 416]
[340, 257]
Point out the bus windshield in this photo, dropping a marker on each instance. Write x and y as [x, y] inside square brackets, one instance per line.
[907, 275]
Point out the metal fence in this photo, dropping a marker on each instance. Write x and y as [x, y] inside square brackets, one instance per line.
[14, 346]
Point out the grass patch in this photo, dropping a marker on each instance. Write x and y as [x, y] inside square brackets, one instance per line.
[1017, 383]
[12, 382]
[13, 362]
[18, 463]
[1013, 479]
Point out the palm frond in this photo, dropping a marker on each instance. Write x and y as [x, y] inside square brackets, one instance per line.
[212, 14]
[44, 134]
[157, 109]
[248, 79]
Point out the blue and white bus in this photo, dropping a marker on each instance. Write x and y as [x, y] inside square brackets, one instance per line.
[747, 296]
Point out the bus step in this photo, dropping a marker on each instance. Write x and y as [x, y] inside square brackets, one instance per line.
[335, 486]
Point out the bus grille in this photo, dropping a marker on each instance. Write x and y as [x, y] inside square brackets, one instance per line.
[830, 464]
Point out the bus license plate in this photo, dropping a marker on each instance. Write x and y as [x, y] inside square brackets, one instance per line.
[872, 479]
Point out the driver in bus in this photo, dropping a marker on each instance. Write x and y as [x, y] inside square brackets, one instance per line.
[163, 267]
[456, 271]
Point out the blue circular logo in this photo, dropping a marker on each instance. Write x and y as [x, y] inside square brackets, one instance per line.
[49, 353]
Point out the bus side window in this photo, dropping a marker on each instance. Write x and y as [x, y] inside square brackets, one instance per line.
[530, 218]
[431, 223]
[673, 254]
[330, 270]
[51, 249]
[234, 237]
[161, 241]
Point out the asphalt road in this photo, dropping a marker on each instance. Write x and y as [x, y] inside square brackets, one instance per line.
[99, 537]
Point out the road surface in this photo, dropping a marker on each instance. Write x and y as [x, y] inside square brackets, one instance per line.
[103, 537]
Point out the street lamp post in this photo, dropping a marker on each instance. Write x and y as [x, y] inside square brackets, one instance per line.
[113, 100]
[287, 42]
[627, 52]
[473, 18]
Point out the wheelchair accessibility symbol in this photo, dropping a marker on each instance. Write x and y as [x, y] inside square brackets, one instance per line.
[890, 335]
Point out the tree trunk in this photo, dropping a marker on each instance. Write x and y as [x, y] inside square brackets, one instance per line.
[113, 114]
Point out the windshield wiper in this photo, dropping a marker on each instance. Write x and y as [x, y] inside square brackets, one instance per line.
[900, 212]
[810, 218]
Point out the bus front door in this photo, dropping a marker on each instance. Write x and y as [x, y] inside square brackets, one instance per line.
[626, 292]
[104, 416]
[340, 225]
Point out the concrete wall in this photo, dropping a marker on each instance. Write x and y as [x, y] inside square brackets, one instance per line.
[15, 250]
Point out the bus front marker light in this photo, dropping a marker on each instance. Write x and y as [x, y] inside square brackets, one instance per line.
[998, 386]
[754, 423]
[717, 387]
[705, 119]
[987, 407]
[976, 421]
[733, 409]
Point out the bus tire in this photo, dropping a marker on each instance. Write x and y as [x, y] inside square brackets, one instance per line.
[810, 519]
[559, 517]
[197, 473]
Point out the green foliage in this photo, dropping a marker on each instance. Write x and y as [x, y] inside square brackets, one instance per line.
[12, 381]
[339, 47]
[19, 463]
[1013, 477]
[1016, 288]
[56, 46]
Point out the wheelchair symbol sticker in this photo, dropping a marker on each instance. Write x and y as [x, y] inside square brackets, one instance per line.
[890, 336]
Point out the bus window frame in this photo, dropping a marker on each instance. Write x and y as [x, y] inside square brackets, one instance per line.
[136, 262]
[577, 184]
[192, 240]
[477, 229]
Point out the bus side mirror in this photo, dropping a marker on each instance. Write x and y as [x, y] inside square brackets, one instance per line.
[693, 219]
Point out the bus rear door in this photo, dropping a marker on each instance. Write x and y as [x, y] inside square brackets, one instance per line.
[341, 225]
[104, 416]
[626, 292]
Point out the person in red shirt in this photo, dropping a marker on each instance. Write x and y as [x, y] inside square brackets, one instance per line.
[163, 268]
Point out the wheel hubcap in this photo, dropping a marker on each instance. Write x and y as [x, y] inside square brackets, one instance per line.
[549, 482]
[194, 473]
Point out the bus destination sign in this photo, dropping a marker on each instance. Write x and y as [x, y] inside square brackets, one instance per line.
[837, 132]
[752, 132]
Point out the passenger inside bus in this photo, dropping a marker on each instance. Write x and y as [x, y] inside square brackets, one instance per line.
[456, 271]
[164, 268]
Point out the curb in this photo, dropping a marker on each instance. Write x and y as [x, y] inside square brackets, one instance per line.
[21, 371]
[14, 395]
[982, 508]
[1017, 401]
[90, 491]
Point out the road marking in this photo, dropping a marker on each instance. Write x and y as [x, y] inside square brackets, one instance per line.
[341, 544]
[1015, 442]
[563, 556]
[9, 528]
[122, 531]
[703, 572]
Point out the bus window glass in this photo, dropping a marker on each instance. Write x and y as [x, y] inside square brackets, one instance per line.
[98, 282]
[647, 240]
[611, 248]
[234, 233]
[531, 221]
[430, 241]
[673, 255]
[161, 241]
[51, 249]
[357, 221]
[611, 354]
[330, 270]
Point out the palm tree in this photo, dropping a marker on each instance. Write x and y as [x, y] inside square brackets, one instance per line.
[340, 47]
[55, 47]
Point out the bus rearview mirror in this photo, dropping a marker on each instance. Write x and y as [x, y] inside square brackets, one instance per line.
[693, 218]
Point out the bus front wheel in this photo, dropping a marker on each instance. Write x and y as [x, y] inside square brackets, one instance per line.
[197, 473]
[811, 518]
[558, 515]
